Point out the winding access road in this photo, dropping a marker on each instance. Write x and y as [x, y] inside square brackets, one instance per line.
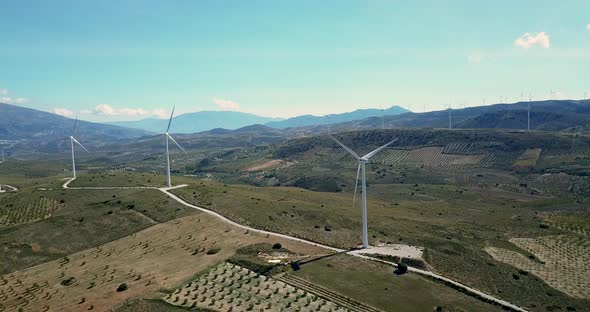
[166, 190]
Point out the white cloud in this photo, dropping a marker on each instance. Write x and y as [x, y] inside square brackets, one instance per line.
[528, 40]
[63, 111]
[108, 110]
[7, 99]
[227, 104]
[588, 26]
[160, 113]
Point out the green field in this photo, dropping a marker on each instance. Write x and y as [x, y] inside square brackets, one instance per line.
[375, 284]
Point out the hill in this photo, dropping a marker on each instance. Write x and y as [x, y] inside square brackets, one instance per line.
[198, 122]
[21, 123]
[554, 115]
[310, 120]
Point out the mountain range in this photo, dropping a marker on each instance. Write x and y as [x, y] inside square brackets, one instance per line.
[207, 120]
[29, 130]
[311, 120]
[197, 122]
[552, 115]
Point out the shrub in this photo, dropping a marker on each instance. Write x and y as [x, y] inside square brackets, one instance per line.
[68, 281]
[401, 269]
[277, 246]
[122, 287]
[213, 250]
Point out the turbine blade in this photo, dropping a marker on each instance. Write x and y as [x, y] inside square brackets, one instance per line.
[170, 121]
[80, 144]
[173, 140]
[75, 123]
[371, 154]
[355, 155]
[356, 182]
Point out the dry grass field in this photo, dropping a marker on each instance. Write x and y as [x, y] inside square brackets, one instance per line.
[160, 257]
[561, 261]
[528, 159]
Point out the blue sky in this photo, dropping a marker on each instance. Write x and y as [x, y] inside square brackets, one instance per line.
[123, 60]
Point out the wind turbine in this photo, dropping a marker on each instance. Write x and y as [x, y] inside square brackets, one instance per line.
[450, 117]
[168, 136]
[382, 123]
[361, 167]
[528, 114]
[72, 141]
[1, 191]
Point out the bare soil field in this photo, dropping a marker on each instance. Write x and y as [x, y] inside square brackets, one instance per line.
[266, 165]
[528, 159]
[561, 261]
[160, 257]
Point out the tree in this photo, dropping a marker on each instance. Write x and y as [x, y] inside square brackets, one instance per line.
[401, 269]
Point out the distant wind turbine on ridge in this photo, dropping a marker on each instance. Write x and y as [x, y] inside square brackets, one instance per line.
[382, 122]
[72, 141]
[362, 161]
[450, 117]
[169, 137]
[528, 114]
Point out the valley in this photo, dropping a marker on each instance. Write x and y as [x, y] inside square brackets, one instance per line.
[474, 206]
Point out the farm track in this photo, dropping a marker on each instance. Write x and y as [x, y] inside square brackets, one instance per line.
[327, 294]
[14, 189]
[452, 283]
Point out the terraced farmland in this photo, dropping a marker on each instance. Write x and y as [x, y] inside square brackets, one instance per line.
[561, 185]
[561, 261]
[39, 209]
[573, 220]
[430, 157]
[160, 257]
[470, 148]
[229, 287]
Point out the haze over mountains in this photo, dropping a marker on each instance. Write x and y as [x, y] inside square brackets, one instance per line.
[197, 122]
[208, 120]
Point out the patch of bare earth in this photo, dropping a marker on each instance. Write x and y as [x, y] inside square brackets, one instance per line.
[266, 165]
[160, 257]
[562, 261]
[395, 250]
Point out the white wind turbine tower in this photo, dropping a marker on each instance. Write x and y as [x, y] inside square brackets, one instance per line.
[361, 168]
[382, 123]
[450, 117]
[72, 141]
[528, 114]
[1, 191]
[168, 136]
